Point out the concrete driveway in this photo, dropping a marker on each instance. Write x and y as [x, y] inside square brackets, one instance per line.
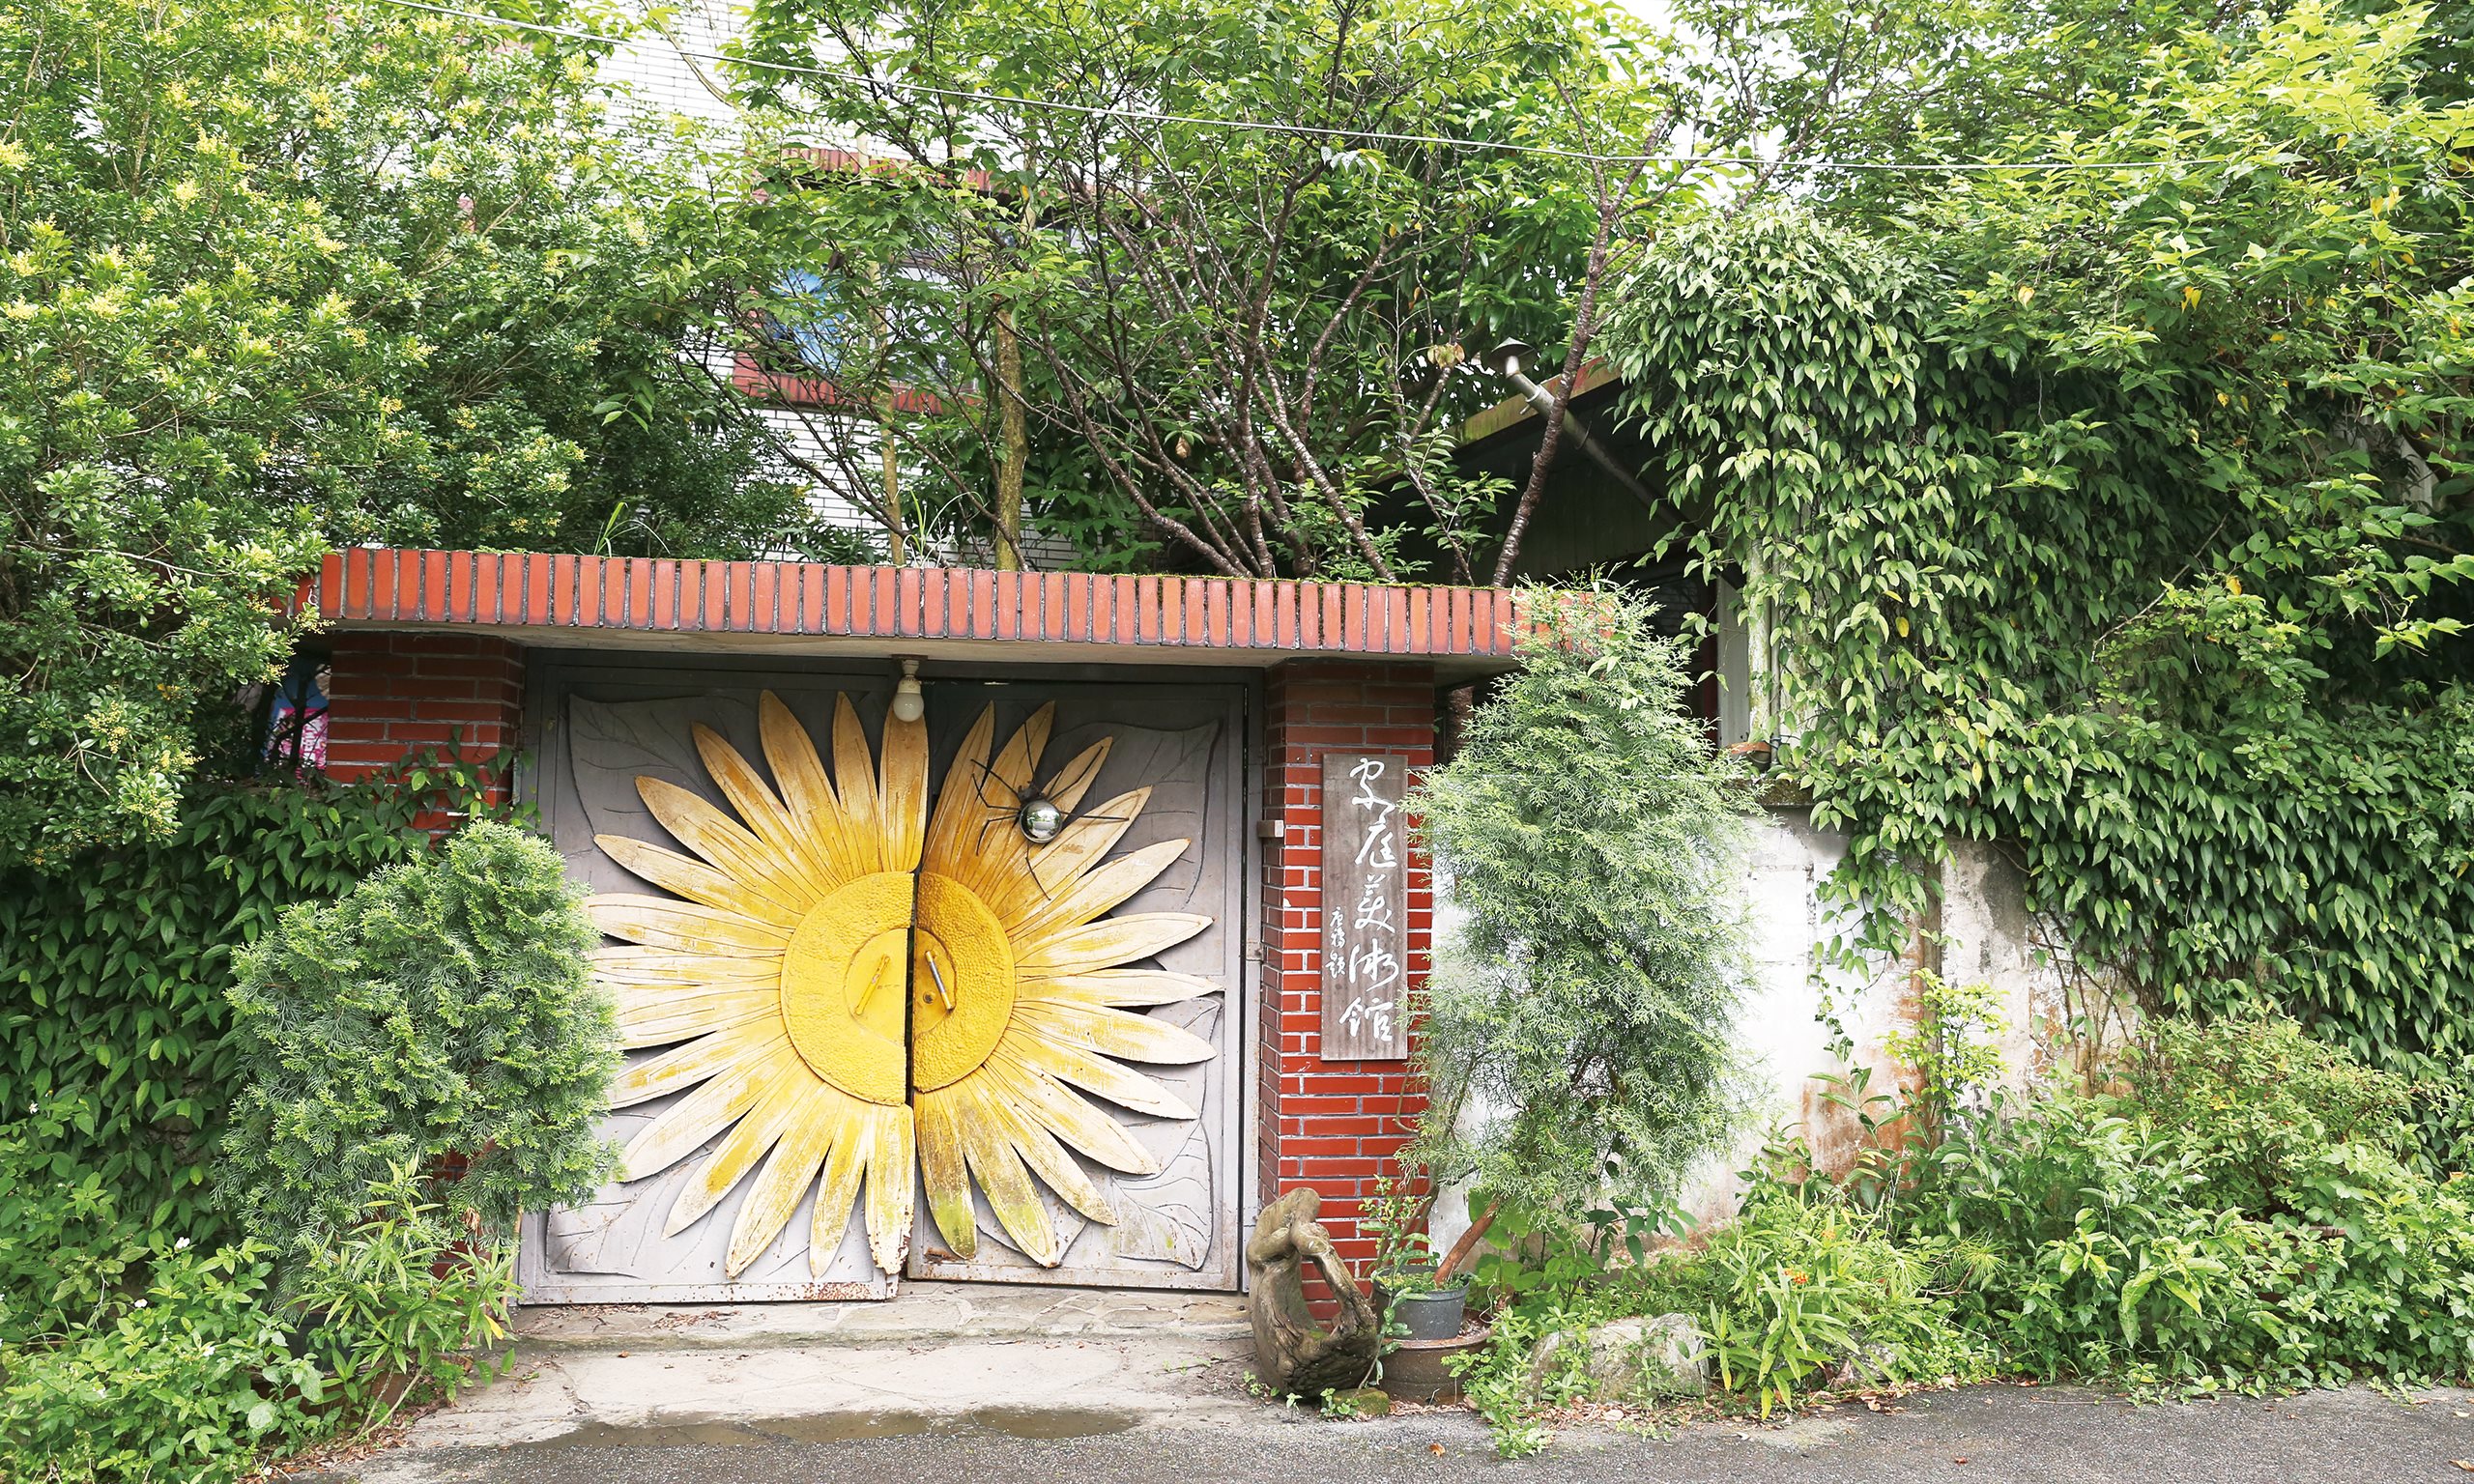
[966, 1386]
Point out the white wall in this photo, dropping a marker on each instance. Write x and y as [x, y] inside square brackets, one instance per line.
[1781, 1029]
[1786, 1040]
[1991, 941]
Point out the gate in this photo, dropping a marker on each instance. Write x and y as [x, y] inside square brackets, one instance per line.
[951, 997]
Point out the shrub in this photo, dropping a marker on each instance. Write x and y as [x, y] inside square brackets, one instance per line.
[1577, 1033]
[1805, 1289]
[2255, 1097]
[441, 1007]
[185, 1382]
[397, 1300]
[2108, 1261]
[2241, 1215]
[67, 1246]
[205, 1373]
[133, 1344]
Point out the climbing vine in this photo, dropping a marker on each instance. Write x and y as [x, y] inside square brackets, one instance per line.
[2122, 517]
[116, 1069]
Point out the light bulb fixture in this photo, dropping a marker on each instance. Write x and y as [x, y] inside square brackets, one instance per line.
[909, 706]
[1041, 819]
[1508, 357]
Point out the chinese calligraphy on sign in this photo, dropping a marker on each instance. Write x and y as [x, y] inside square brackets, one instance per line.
[1366, 907]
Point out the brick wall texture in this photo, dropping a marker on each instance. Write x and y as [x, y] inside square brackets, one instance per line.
[389, 694]
[1335, 1125]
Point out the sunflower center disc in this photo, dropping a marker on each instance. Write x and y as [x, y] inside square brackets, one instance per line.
[842, 986]
[961, 984]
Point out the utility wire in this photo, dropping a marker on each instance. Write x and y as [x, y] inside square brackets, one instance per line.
[1307, 131]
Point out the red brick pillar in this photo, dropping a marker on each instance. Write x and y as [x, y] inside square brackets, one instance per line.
[389, 694]
[1335, 1125]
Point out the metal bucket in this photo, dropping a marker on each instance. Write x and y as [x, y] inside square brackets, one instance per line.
[1428, 1316]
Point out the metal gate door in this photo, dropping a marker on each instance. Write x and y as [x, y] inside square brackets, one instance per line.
[949, 996]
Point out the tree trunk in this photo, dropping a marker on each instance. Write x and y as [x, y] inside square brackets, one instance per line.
[1467, 1244]
[1016, 441]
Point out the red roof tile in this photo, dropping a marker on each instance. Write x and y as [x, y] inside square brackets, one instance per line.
[600, 601]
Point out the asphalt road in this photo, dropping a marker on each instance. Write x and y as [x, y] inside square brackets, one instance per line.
[1977, 1434]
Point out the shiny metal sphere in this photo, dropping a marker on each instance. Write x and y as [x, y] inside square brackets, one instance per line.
[1041, 820]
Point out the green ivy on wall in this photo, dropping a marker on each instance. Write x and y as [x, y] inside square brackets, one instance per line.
[2332, 860]
[112, 973]
[2122, 517]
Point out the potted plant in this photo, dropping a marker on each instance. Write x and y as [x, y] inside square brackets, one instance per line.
[1414, 1300]
[1419, 1302]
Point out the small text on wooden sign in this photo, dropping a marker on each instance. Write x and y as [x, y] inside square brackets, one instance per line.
[1366, 907]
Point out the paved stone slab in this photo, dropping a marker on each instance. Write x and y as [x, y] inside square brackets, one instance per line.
[1024, 1385]
[921, 1312]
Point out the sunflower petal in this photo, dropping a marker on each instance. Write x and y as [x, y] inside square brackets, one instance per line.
[941, 1171]
[1042, 871]
[975, 841]
[663, 922]
[740, 1151]
[1090, 898]
[656, 1019]
[1008, 1186]
[1054, 1165]
[1107, 944]
[711, 1056]
[1122, 1033]
[902, 788]
[854, 782]
[698, 882]
[959, 815]
[634, 964]
[845, 1164]
[1063, 1113]
[759, 809]
[680, 1128]
[1117, 986]
[1061, 1058]
[776, 1193]
[1076, 778]
[725, 843]
[1020, 759]
[816, 812]
[891, 1155]
[995, 853]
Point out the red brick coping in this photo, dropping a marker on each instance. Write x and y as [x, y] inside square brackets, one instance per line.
[540, 594]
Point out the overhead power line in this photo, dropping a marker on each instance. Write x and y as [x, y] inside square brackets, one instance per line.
[1305, 130]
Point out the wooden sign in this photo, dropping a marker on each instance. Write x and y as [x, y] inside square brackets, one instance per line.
[1366, 908]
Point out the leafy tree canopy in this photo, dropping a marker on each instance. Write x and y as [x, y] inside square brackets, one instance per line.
[275, 278]
[1906, 80]
[1224, 345]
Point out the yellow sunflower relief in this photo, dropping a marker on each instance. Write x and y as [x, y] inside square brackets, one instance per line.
[840, 965]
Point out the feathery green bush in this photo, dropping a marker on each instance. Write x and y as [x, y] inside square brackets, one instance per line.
[1577, 1032]
[442, 1007]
